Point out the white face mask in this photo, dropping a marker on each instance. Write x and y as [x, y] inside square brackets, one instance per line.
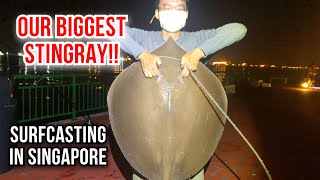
[172, 20]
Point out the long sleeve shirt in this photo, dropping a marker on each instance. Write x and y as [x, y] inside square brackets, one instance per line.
[136, 41]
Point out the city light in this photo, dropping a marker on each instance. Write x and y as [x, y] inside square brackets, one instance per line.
[305, 85]
[244, 64]
[217, 63]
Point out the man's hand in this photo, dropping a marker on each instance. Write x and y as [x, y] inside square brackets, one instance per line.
[149, 64]
[190, 61]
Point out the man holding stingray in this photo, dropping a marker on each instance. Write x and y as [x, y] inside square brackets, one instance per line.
[172, 15]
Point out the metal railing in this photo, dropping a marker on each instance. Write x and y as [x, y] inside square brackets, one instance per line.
[50, 96]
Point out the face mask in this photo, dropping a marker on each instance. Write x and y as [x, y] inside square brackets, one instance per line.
[172, 20]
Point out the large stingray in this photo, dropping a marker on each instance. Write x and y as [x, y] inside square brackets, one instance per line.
[166, 127]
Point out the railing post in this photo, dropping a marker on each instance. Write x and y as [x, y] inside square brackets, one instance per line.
[74, 97]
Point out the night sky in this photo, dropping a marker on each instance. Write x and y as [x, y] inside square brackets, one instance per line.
[280, 32]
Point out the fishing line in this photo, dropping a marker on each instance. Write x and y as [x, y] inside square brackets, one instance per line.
[86, 116]
[204, 90]
[228, 167]
[88, 119]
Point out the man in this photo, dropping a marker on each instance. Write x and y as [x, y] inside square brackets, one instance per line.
[172, 15]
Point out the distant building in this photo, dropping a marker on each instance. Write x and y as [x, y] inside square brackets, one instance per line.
[219, 69]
